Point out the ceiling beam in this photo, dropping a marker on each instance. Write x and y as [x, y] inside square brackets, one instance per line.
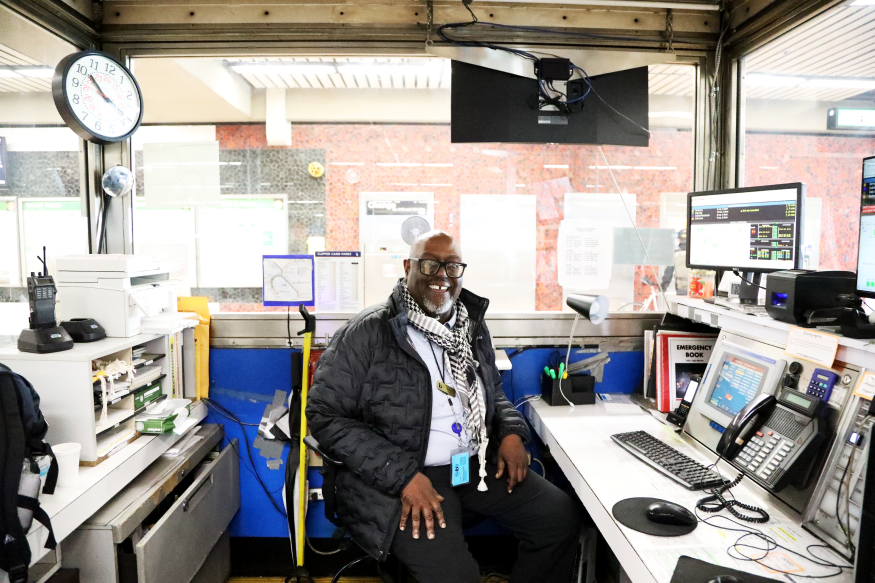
[397, 20]
[222, 81]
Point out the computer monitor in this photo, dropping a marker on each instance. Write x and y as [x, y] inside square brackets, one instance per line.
[755, 230]
[866, 245]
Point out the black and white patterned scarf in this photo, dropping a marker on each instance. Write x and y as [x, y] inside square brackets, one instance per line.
[457, 351]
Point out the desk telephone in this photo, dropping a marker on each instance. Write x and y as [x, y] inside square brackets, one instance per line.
[775, 440]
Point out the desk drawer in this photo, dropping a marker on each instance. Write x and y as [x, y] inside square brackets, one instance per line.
[178, 544]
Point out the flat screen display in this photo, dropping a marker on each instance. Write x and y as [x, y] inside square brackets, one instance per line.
[866, 247]
[690, 393]
[494, 106]
[752, 229]
[737, 383]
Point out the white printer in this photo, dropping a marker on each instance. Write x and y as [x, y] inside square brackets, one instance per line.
[119, 291]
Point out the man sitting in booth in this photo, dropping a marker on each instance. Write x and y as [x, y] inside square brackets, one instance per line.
[408, 397]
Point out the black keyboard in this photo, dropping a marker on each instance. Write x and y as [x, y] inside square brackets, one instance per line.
[662, 457]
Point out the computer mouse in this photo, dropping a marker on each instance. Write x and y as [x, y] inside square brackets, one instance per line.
[670, 513]
[725, 579]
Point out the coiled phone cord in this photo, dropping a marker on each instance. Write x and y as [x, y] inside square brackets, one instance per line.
[716, 502]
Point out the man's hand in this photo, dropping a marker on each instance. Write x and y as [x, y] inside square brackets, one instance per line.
[512, 455]
[420, 498]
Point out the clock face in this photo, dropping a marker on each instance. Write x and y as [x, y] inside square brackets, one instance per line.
[99, 95]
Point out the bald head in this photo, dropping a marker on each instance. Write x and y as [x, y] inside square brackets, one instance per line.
[434, 293]
[433, 240]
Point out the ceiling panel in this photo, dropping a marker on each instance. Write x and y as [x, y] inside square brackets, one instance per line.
[837, 43]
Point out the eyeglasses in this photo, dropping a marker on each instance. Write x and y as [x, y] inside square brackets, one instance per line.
[432, 266]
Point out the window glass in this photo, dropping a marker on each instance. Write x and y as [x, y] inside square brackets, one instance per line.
[384, 139]
[39, 167]
[793, 88]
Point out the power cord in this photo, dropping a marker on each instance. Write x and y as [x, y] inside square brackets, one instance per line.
[738, 549]
[737, 272]
[222, 411]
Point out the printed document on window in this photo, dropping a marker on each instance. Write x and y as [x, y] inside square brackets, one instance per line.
[585, 252]
[288, 280]
[340, 283]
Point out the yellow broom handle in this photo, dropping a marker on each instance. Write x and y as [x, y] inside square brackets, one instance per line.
[302, 465]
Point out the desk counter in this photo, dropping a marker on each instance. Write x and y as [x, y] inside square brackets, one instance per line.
[602, 474]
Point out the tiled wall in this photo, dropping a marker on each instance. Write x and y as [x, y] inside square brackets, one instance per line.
[34, 174]
[831, 168]
[253, 170]
[476, 169]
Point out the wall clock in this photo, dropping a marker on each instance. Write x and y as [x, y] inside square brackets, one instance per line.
[97, 97]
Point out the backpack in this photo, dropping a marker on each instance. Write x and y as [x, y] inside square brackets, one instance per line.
[22, 431]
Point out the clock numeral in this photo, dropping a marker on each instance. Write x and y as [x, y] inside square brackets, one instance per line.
[97, 126]
[109, 68]
[76, 98]
[122, 82]
[130, 95]
[84, 115]
[81, 69]
[111, 128]
[93, 63]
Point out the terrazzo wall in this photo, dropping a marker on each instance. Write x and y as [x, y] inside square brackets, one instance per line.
[39, 174]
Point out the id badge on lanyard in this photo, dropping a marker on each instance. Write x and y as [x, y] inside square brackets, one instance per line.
[460, 467]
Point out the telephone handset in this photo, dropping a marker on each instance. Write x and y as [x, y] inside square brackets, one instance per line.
[744, 424]
[775, 440]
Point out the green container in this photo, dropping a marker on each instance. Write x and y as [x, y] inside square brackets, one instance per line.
[149, 395]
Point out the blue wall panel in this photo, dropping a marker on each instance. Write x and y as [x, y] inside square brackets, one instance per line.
[244, 382]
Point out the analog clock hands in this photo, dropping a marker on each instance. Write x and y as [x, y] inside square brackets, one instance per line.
[107, 99]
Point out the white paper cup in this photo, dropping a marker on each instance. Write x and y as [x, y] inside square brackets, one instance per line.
[67, 455]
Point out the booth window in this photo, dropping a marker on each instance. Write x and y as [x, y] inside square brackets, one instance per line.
[40, 171]
[378, 128]
[809, 117]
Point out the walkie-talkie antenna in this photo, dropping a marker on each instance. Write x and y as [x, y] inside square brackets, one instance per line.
[42, 259]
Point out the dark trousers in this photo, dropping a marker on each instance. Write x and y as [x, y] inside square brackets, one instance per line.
[544, 519]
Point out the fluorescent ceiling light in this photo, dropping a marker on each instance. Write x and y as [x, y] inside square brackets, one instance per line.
[835, 83]
[366, 69]
[863, 3]
[43, 72]
[612, 167]
[8, 73]
[397, 164]
[557, 166]
[683, 114]
[278, 68]
[763, 80]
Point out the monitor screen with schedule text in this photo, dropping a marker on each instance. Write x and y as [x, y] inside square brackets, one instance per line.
[751, 229]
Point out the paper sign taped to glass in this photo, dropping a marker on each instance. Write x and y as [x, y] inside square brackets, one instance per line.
[288, 280]
[585, 252]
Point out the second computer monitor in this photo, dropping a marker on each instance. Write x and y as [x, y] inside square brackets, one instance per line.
[757, 229]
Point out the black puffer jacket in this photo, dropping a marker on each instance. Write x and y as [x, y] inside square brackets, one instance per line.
[370, 405]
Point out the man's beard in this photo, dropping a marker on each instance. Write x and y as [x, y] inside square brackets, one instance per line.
[437, 309]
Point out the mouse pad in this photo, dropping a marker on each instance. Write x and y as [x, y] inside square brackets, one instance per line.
[632, 512]
[690, 570]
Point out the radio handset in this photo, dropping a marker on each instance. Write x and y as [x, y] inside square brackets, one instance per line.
[744, 424]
